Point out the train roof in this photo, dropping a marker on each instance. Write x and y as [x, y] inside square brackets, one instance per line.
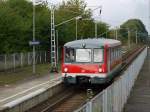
[93, 43]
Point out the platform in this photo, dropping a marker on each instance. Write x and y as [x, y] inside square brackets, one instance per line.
[14, 92]
[139, 100]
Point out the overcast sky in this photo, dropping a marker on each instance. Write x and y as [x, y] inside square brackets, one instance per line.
[115, 12]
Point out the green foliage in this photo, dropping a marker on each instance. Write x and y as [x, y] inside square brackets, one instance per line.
[86, 25]
[67, 11]
[16, 23]
[133, 25]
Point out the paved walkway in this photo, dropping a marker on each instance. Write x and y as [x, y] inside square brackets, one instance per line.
[139, 100]
[8, 94]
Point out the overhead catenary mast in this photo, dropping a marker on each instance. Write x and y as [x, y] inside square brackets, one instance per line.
[53, 43]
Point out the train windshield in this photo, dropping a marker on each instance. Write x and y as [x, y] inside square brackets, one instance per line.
[83, 55]
[69, 55]
[98, 55]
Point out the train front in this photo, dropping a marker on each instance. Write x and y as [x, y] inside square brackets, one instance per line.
[83, 62]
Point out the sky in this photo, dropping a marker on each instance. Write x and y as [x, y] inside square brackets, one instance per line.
[115, 12]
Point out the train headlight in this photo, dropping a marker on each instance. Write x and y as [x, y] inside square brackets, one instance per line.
[100, 70]
[65, 69]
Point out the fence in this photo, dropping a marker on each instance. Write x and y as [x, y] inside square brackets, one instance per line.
[12, 61]
[113, 98]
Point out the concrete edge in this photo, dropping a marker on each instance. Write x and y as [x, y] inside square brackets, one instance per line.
[26, 102]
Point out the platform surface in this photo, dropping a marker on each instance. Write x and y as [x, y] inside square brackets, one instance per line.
[13, 92]
[139, 100]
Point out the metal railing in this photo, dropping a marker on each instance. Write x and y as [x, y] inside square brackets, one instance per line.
[12, 61]
[113, 98]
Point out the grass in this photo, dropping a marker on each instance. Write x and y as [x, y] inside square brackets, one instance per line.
[23, 74]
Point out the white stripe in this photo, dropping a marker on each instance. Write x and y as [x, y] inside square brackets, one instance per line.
[53, 80]
[100, 75]
[28, 96]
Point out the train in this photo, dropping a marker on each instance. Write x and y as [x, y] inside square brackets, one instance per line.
[94, 61]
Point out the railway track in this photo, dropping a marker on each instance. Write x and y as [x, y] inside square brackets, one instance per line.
[69, 99]
[80, 97]
[69, 105]
[129, 57]
[74, 97]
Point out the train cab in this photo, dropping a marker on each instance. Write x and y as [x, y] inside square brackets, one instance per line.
[90, 60]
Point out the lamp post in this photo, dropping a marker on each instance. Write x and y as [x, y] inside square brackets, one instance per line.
[136, 37]
[129, 39]
[33, 67]
[76, 29]
[116, 33]
[34, 3]
[95, 29]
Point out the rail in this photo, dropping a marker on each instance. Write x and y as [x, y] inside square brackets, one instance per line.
[113, 98]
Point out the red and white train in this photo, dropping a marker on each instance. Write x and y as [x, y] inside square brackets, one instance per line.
[91, 60]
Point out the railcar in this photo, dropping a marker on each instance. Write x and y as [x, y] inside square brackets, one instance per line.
[92, 61]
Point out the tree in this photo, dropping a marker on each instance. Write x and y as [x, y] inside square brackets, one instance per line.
[68, 10]
[16, 28]
[134, 25]
[86, 25]
[16, 24]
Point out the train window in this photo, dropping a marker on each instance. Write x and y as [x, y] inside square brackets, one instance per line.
[83, 55]
[120, 52]
[110, 55]
[69, 55]
[116, 53]
[113, 54]
[98, 55]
